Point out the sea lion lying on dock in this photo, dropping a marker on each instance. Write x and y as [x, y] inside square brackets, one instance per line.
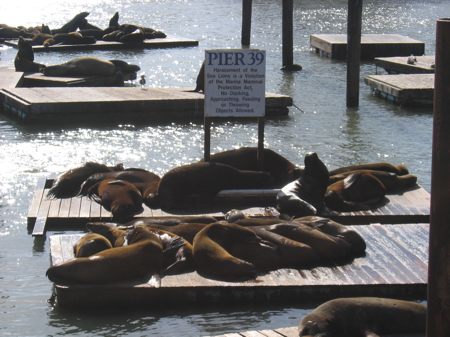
[68, 184]
[363, 317]
[115, 235]
[305, 196]
[90, 244]
[381, 166]
[281, 169]
[128, 263]
[203, 181]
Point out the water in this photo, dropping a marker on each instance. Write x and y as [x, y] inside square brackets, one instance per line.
[376, 131]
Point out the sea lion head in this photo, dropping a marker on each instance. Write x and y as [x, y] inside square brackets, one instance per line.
[315, 167]
[25, 50]
[127, 202]
[313, 328]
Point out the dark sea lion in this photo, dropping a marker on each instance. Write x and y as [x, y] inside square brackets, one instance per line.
[281, 169]
[127, 263]
[125, 67]
[115, 235]
[24, 60]
[95, 33]
[81, 66]
[119, 197]
[200, 81]
[185, 230]
[68, 184]
[172, 220]
[358, 191]
[136, 36]
[331, 227]
[114, 21]
[72, 38]
[364, 317]
[204, 181]
[382, 166]
[392, 181]
[72, 25]
[90, 244]
[211, 251]
[305, 196]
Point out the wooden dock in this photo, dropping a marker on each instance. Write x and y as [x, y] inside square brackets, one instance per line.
[10, 78]
[403, 89]
[412, 206]
[40, 80]
[152, 104]
[395, 265]
[168, 42]
[372, 45]
[399, 64]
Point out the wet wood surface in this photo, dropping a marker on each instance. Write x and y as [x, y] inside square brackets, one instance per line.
[399, 64]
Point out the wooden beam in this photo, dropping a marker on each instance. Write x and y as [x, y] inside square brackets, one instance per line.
[438, 322]
[246, 22]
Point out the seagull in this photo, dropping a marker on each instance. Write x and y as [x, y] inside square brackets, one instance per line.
[412, 60]
[142, 81]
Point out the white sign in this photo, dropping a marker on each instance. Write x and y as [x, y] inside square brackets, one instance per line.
[235, 83]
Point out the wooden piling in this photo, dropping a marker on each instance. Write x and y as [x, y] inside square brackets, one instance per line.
[260, 152]
[354, 24]
[246, 22]
[438, 322]
[207, 143]
[288, 36]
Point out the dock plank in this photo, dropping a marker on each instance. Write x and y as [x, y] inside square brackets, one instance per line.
[168, 42]
[390, 268]
[400, 65]
[9, 77]
[372, 45]
[79, 102]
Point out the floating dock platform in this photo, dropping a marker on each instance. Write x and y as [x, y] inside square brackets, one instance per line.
[400, 65]
[168, 42]
[403, 89]
[40, 80]
[412, 206]
[372, 45]
[395, 265]
[151, 104]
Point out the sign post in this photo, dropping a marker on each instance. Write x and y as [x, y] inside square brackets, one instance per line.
[235, 85]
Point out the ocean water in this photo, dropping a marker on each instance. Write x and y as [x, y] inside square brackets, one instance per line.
[376, 131]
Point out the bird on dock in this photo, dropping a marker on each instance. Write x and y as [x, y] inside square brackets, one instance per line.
[412, 60]
[142, 81]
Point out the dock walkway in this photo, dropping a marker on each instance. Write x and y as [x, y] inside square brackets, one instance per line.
[372, 45]
[395, 265]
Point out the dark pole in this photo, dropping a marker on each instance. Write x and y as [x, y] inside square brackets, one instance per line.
[260, 153]
[207, 141]
[246, 22]
[288, 36]
[438, 320]
[354, 24]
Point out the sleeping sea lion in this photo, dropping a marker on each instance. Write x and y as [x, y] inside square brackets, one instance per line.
[358, 191]
[24, 60]
[382, 166]
[90, 244]
[81, 66]
[71, 38]
[214, 246]
[115, 235]
[119, 197]
[127, 263]
[68, 184]
[363, 317]
[281, 169]
[305, 196]
[204, 181]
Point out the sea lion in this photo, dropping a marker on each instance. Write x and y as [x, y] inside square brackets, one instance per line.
[82, 66]
[68, 184]
[72, 38]
[281, 169]
[72, 25]
[305, 196]
[363, 317]
[24, 60]
[203, 181]
[115, 235]
[214, 246]
[358, 191]
[119, 197]
[381, 166]
[200, 81]
[90, 244]
[145, 181]
[392, 182]
[128, 263]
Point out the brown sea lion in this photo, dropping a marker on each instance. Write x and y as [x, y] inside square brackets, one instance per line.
[81, 66]
[305, 196]
[213, 246]
[68, 184]
[115, 235]
[381, 166]
[392, 182]
[119, 197]
[331, 227]
[145, 181]
[128, 263]
[24, 60]
[358, 191]
[203, 181]
[72, 38]
[90, 244]
[185, 230]
[245, 158]
[364, 317]
[72, 25]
